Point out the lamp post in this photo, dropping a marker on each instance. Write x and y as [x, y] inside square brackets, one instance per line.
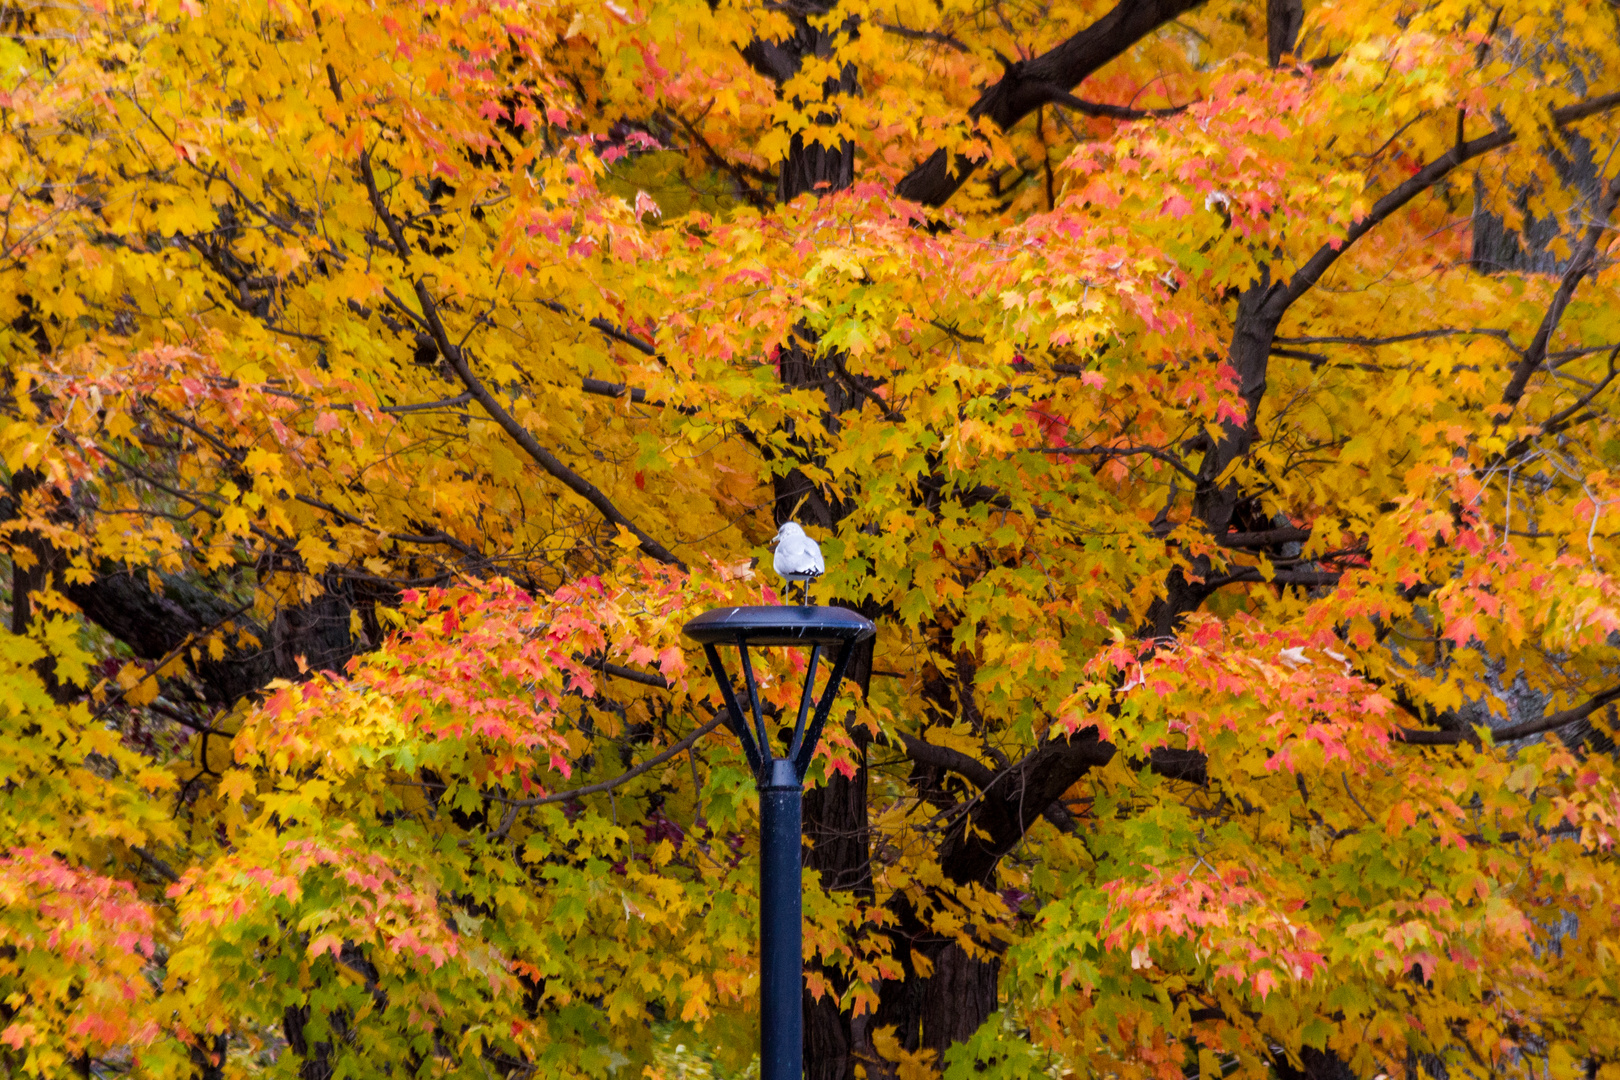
[781, 790]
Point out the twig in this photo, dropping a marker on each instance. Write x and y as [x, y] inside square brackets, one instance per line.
[1120, 451]
[164, 869]
[623, 778]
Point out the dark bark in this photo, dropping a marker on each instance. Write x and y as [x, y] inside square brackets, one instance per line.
[1015, 800]
[953, 993]
[1496, 249]
[1583, 261]
[1028, 84]
[1250, 357]
[317, 1057]
[208, 1055]
[160, 624]
[1283, 20]
[156, 624]
[950, 1002]
[24, 580]
[29, 546]
[835, 814]
[838, 848]
[811, 166]
[1313, 1065]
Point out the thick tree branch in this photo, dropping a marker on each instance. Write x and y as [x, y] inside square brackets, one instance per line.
[603, 388]
[1565, 417]
[1583, 263]
[1306, 277]
[645, 678]
[1550, 722]
[1310, 578]
[1011, 802]
[935, 756]
[1266, 538]
[1029, 84]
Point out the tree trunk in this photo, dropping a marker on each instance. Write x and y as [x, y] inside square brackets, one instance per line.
[835, 815]
[1283, 20]
[835, 825]
[1497, 249]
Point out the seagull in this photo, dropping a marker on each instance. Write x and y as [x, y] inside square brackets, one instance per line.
[798, 558]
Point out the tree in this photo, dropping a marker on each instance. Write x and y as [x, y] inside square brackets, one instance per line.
[388, 383]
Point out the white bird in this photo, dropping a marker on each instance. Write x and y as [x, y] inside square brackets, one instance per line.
[798, 558]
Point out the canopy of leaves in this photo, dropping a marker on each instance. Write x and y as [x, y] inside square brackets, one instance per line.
[1212, 403]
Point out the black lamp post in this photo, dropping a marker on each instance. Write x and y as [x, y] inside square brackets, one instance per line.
[781, 790]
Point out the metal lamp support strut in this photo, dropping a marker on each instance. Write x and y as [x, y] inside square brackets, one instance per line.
[781, 790]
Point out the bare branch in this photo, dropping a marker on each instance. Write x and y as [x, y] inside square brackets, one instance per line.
[1306, 277]
[523, 437]
[1120, 451]
[1582, 264]
[1419, 335]
[623, 778]
[1551, 722]
[1265, 538]
[1563, 418]
[607, 329]
[1028, 84]
[926, 35]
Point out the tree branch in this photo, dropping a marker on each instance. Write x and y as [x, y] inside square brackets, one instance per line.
[1551, 722]
[623, 778]
[1563, 418]
[1582, 264]
[1120, 451]
[1465, 150]
[645, 678]
[1028, 84]
[1306, 578]
[606, 328]
[429, 320]
[1266, 538]
[1011, 801]
[1059, 96]
[1395, 339]
[524, 438]
[926, 35]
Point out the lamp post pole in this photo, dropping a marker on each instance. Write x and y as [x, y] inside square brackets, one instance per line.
[780, 779]
[781, 922]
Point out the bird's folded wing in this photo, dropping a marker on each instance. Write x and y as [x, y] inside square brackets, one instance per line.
[804, 556]
[798, 558]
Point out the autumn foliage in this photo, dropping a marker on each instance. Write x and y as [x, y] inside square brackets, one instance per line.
[1212, 403]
